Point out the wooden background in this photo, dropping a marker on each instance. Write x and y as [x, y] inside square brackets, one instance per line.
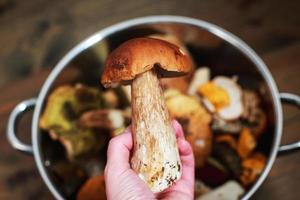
[35, 34]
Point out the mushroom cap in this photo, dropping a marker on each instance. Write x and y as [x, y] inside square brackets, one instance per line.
[139, 55]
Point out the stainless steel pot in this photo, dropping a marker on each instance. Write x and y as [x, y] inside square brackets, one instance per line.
[209, 44]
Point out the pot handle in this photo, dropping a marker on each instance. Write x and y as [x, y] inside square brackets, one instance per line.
[292, 99]
[13, 120]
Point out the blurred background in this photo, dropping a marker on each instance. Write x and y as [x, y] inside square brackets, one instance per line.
[36, 34]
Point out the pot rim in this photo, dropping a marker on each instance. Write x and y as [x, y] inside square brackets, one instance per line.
[215, 30]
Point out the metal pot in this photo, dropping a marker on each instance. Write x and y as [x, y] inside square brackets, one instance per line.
[209, 44]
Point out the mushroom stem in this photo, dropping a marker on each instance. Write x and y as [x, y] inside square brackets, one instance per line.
[155, 155]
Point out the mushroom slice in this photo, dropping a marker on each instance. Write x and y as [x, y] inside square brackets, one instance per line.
[201, 76]
[235, 108]
[223, 96]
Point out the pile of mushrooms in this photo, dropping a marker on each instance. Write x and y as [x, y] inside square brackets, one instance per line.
[157, 76]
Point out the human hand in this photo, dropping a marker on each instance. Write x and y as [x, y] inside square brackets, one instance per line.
[123, 183]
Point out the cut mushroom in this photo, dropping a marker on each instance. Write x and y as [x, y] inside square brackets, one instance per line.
[201, 76]
[139, 61]
[223, 96]
[235, 108]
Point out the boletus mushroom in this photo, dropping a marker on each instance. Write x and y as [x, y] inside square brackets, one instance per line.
[141, 62]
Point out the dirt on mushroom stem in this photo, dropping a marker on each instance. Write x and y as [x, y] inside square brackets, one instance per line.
[155, 156]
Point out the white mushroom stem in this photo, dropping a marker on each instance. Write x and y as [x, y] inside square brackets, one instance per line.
[155, 156]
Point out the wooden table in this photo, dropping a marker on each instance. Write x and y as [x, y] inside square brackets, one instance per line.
[38, 33]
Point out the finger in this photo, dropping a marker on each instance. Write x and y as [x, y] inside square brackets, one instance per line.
[187, 160]
[185, 185]
[178, 129]
[184, 147]
[119, 148]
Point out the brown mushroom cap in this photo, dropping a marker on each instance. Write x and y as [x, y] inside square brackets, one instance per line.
[139, 55]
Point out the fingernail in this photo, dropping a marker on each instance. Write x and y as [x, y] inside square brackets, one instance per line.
[177, 126]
